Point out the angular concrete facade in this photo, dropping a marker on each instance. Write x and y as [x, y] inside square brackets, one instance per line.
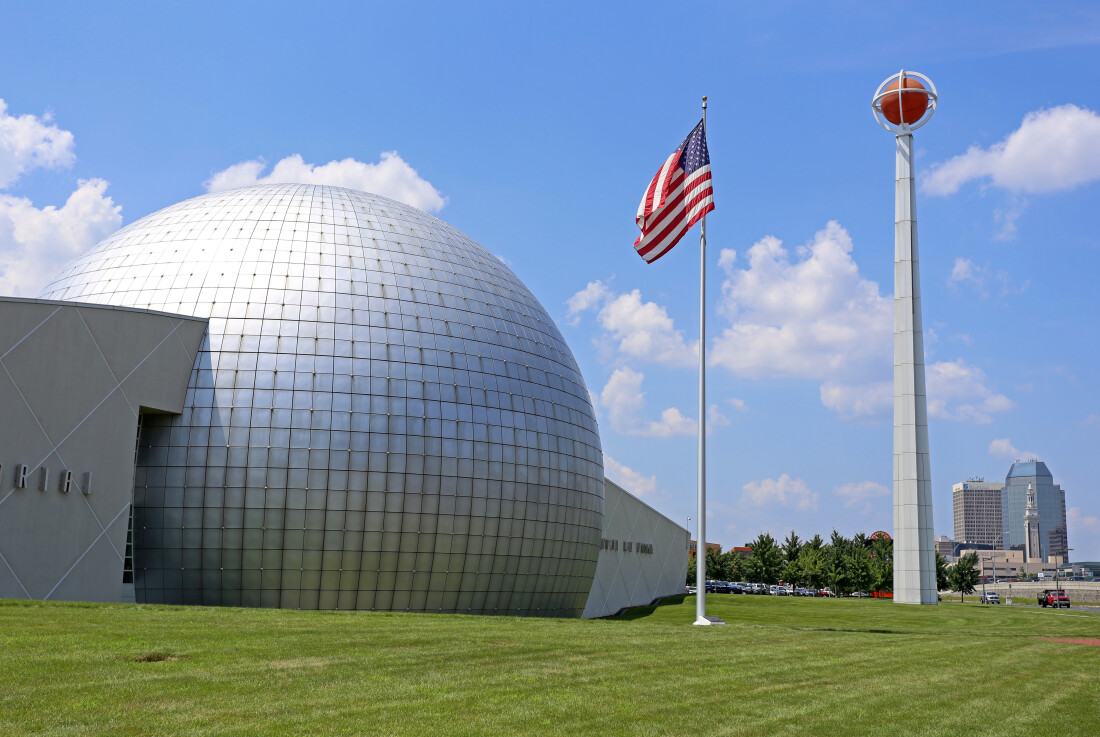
[74, 380]
[643, 556]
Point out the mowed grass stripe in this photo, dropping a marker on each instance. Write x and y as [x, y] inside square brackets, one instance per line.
[782, 666]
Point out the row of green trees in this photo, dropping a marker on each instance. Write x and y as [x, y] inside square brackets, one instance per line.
[859, 563]
[843, 564]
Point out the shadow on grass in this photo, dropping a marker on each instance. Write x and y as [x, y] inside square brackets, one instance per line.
[854, 630]
[641, 612]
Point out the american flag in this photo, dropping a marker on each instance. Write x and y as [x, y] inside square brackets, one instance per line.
[678, 196]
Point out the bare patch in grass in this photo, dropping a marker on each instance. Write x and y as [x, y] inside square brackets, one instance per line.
[157, 658]
[1094, 641]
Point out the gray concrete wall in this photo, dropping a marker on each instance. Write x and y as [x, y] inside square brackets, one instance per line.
[73, 381]
[644, 555]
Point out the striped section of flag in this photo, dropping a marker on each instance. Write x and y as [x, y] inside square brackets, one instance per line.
[679, 195]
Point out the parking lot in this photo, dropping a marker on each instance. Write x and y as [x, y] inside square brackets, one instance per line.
[762, 589]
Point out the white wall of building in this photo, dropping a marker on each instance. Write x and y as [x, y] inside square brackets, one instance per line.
[73, 380]
[644, 555]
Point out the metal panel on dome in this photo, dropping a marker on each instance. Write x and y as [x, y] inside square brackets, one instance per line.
[382, 417]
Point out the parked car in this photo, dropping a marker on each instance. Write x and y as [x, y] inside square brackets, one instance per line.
[990, 598]
[690, 589]
[825, 592]
[1052, 598]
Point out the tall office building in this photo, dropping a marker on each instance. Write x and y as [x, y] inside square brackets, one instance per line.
[1050, 502]
[977, 505]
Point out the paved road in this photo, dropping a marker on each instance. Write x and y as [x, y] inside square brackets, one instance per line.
[1073, 607]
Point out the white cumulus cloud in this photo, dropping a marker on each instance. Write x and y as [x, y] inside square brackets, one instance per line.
[35, 242]
[783, 491]
[1003, 448]
[29, 142]
[868, 401]
[1078, 520]
[804, 313]
[635, 328]
[965, 273]
[812, 316]
[390, 177]
[861, 493]
[959, 391]
[815, 317]
[1053, 149]
[633, 481]
[594, 293]
[623, 400]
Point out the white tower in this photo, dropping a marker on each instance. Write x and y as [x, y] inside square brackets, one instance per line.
[901, 105]
[1031, 527]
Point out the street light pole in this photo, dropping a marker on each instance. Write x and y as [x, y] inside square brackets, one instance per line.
[984, 600]
[689, 536]
[1058, 587]
[1001, 539]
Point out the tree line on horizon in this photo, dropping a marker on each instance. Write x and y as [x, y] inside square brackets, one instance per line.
[843, 564]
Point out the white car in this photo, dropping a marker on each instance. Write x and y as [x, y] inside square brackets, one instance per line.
[991, 598]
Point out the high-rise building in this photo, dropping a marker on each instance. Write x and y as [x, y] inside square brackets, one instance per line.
[977, 505]
[1050, 502]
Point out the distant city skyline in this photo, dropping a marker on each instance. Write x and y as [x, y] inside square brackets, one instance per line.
[535, 129]
[994, 512]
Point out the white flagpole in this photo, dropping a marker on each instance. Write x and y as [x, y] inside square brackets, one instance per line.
[701, 544]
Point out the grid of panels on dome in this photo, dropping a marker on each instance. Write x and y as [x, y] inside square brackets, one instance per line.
[382, 416]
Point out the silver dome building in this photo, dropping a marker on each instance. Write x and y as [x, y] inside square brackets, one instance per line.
[381, 415]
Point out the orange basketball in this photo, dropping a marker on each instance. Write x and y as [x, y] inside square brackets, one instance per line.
[913, 104]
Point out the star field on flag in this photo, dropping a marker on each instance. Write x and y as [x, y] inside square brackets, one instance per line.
[678, 196]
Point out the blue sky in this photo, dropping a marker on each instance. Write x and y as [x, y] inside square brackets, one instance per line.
[535, 129]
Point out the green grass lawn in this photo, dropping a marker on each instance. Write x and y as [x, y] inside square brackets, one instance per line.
[782, 666]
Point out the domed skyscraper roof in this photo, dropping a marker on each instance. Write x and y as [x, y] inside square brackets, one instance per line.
[382, 417]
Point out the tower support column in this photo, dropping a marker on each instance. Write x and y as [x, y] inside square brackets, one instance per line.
[914, 552]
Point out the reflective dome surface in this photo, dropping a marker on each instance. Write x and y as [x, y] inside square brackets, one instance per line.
[382, 416]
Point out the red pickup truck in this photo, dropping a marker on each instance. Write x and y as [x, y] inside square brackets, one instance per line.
[1054, 598]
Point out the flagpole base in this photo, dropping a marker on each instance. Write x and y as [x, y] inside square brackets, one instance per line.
[707, 621]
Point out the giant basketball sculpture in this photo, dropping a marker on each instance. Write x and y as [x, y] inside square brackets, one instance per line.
[382, 415]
